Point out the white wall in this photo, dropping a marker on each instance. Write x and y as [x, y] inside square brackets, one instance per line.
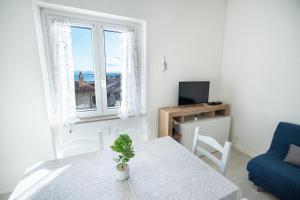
[24, 132]
[261, 68]
[190, 33]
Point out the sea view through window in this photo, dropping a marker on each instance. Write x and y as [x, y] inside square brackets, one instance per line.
[84, 68]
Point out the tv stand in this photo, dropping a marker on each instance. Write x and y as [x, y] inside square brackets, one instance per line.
[168, 115]
[191, 105]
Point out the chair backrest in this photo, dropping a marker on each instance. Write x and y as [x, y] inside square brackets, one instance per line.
[224, 150]
[77, 145]
[135, 134]
[285, 134]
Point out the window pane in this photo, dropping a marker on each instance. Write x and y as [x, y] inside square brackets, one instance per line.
[113, 58]
[84, 76]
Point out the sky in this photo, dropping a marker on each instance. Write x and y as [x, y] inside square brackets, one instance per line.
[82, 48]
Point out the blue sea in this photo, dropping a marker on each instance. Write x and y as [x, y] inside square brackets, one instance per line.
[89, 76]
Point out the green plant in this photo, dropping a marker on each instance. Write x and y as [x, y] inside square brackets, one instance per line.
[123, 146]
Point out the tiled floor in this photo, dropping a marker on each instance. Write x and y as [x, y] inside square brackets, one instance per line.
[236, 172]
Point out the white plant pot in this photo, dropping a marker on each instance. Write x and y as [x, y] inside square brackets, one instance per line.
[122, 174]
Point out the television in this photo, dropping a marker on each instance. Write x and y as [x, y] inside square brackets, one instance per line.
[193, 92]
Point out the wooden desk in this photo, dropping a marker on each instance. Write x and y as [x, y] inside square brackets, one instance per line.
[167, 115]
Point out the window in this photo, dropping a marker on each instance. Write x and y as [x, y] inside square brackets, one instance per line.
[99, 61]
[113, 67]
[84, 74]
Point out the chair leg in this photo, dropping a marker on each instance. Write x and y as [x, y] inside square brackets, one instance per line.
[259, 189]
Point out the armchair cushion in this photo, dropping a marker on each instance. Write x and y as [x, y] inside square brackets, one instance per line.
[285, 134]
[270, 172]
[275, 176]
[293, 155]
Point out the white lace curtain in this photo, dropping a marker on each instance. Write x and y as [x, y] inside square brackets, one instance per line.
[64, 106]
[131, 105]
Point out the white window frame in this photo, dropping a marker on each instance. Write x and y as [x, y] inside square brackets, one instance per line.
[98, 25]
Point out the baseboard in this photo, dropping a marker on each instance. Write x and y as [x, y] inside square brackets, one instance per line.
[243, 150]
[7, 189]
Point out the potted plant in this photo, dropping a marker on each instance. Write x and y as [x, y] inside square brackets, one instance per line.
[123, 146]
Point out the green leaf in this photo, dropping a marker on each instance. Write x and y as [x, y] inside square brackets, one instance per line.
[123, 145]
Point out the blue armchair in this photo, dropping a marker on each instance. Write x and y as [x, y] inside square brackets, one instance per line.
[269, 172]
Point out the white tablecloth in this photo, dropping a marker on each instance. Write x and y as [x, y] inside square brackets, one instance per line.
[161, 170]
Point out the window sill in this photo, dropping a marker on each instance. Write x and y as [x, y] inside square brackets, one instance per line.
[97, 119]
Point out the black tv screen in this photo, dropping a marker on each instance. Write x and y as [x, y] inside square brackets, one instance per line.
[194, 92]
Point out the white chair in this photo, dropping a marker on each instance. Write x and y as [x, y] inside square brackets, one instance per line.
[77, 145]
[225, 151]
[135, 134]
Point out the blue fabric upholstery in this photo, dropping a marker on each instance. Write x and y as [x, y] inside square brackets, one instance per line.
[270, 172]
